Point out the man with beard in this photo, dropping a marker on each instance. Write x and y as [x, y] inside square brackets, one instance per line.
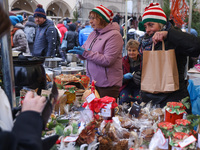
[46, 34]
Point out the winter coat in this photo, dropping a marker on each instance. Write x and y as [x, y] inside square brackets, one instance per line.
[20, 42]
[184, 45]
[127, 69]
[72, 37]
[30, 31]
[104, 57]
[25, 135]
[45, 39]
[62, 30]
[84, 33]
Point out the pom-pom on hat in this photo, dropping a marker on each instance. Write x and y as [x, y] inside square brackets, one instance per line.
[14, 20]
[104, 12]
[39, 12]
[153, 13]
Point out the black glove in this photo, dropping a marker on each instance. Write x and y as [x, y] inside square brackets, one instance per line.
[137, 78]
[48, 143]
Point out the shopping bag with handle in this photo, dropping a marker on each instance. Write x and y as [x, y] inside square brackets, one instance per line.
[159, 71]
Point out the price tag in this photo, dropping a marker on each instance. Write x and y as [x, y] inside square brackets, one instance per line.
[161, 137]
[187, 141]
[135, 110]
[70, 139]
[90, 98]
[106, 112]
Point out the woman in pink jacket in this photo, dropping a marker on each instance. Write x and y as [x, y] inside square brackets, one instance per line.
[103, 52]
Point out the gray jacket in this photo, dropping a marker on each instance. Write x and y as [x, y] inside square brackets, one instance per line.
[19, 40]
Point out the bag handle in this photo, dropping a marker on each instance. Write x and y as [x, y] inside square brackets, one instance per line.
[163, 46]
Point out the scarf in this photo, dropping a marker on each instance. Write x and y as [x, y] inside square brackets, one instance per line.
[12, 35]
[146, 43]
[146, 40]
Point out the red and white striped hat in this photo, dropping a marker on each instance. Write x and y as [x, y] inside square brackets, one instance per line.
[104, 12]
[154, 13]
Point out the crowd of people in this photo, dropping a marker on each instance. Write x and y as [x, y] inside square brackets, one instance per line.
[101, 44]
[40, 36]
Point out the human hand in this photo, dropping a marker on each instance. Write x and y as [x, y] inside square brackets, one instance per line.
[137, 77]
[31, 103]
[159, 36]
[128, 76]
[77, 50]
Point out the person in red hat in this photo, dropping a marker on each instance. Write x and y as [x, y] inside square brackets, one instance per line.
[158, 28]
[103, 52]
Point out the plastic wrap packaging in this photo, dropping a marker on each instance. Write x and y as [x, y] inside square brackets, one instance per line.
[143, 123]
[87, 135]
[123, 109]
[147, 132]
[113, 136]
[126, 122]
[145, 112]
[121, 145]
[156, 141]
[135, 141]
[157, 114]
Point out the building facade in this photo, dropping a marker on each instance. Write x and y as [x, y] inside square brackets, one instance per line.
[66, 8]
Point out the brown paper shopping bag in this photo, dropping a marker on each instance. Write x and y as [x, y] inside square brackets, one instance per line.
[159, 71]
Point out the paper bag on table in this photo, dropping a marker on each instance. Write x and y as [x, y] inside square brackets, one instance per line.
[159, 71]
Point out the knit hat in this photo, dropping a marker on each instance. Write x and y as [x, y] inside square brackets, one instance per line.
[153, 13]
[72, 27]
[104, 12]
[14, 20]
[20, 18]
[31, 18]
[39, 12]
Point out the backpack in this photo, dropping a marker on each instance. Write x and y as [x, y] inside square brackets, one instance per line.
[57, 53]
[30, 34]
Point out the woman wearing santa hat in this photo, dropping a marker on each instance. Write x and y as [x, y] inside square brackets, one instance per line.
[103, 52]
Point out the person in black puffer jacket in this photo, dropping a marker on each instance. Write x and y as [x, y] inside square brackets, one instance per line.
[157, 29]
[72, 37]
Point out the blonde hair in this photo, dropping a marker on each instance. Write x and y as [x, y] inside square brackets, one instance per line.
[103, 22]
[132, 43]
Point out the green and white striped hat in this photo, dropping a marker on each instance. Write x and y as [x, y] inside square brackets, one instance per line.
[104, 12]
[153, 13]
